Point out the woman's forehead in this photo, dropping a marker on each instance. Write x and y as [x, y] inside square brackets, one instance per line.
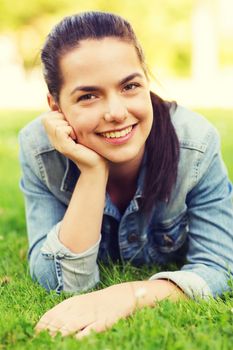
[95, 60]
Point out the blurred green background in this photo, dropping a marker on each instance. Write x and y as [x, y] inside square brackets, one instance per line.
[163, 27]
[188, 45]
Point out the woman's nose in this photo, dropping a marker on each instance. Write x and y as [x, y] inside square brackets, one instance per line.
[116, 112]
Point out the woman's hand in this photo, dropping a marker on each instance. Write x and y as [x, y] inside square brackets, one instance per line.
[63, 138]
[96, 311]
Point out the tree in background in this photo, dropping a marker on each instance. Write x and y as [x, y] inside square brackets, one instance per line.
[173, 33]
[163, 30]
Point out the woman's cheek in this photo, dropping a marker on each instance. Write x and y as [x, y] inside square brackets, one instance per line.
[141, 106]
[84, 128]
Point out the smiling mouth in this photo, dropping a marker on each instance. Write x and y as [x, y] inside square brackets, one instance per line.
[117, 134]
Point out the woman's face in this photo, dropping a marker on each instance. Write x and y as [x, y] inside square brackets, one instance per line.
[105, 97]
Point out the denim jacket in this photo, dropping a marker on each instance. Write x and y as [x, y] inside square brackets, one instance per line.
[195, 227]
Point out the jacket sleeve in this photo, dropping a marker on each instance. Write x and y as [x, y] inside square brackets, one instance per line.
[53, 265]
[209, 266]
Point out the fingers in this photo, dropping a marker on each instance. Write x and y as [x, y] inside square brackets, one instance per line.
[97, 327]
[52, 115]
[74, 323]
[67, 329]
[54, 328]
[50, 321]
[55, 120]
[64, 139]
[60, 133]
[43, 326]
[65, 326]
[72, 134]
[53, 124]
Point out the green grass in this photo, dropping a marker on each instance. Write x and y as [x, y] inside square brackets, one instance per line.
[184, 325]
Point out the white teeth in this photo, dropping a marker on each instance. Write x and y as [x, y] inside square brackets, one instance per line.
[116, 134]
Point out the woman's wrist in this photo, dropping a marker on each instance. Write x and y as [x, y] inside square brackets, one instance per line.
[95, 174]
[147, 293]
[100, 169]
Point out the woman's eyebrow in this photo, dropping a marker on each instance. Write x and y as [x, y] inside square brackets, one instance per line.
[95, 88]
[130, 77]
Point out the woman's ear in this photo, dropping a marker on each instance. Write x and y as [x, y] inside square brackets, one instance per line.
[53, 105]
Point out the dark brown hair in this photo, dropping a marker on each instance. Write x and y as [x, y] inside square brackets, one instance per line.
[162, 143]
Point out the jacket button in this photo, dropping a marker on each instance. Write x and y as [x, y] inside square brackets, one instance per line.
[132, 237]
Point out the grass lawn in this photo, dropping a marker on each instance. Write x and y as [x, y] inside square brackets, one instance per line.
[184, 325]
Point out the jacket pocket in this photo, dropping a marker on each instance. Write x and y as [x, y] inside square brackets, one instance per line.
[169, 235]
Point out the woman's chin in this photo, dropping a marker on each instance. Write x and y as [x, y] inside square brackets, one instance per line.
[125, 157]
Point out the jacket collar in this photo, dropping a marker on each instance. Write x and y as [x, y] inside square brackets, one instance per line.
[71, 176]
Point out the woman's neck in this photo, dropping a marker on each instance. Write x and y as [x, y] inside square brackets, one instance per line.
[126, 173]
[122, 185]
[122, 181]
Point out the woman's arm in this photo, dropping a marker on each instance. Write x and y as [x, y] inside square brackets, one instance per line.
[209, 259]
[52, 263]
[81, 226]
[78, 232]
[98, 311]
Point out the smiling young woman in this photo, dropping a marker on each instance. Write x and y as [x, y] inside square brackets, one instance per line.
[101, 97]
[113, 172]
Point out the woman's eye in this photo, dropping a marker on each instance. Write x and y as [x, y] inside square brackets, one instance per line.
[131, 86]
[86, 97]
